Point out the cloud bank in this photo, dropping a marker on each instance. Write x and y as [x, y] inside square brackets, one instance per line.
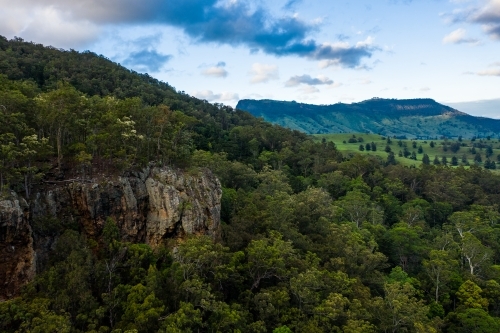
[262, 73]
[307, 80]
[487, 14]
[458, 37]
[494, 70]
[216, 71]
[235, 23]
[210, 96]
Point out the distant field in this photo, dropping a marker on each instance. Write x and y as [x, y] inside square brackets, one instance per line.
[441, 148]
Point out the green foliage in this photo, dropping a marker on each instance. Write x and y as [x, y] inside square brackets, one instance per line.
[313, 240]
[387, 117]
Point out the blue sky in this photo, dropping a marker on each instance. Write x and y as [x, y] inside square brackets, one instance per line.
[320, 52]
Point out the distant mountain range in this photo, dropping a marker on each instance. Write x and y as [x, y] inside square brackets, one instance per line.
[421, 118]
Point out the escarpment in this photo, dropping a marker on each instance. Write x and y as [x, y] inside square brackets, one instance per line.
[148, 207]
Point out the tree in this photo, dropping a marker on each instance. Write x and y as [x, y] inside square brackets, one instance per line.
[454, 161]
[476, 255]
[373, 146]
[271, 304]
[436, 160]
[444, 160]
[469, 296]
[361, 148]
[455, 147]
[357, 207]
[29, 151]
[57, 112]
[477, 158]
[142, 309]
[185, 319]
[269, 258]
[439, 267]
[426, 160]
[488, 164]
[282, 329]
[432, 144]
[420, 149]
[472, 320]
[401, 309]
[406, 245]
[489, 151]
[387, 149]
[391, 160]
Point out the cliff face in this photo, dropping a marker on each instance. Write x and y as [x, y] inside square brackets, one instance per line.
[17, 257]
[148, 207]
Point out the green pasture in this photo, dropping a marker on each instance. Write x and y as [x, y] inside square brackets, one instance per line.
[442, 147]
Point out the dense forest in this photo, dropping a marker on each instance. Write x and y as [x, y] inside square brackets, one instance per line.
[313, 241]
[413, 118]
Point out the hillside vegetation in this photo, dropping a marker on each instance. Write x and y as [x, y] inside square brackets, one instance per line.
[313, 240]
[413, 118]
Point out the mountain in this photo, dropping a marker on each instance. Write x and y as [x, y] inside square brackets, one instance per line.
[411, 117]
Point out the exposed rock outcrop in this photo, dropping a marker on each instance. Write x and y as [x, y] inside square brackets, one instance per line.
[17, 257]
[148, 207]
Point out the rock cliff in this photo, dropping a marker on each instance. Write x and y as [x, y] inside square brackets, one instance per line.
[148, 207]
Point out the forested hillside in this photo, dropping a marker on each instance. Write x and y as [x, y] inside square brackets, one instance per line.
[412, 118]
[313, 241]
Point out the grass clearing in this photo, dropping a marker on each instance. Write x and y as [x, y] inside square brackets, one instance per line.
[468, 149]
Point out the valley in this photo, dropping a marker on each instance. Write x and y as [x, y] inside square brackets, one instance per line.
[463, 152]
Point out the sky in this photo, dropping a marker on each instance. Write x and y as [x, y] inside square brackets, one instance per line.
[319, 52]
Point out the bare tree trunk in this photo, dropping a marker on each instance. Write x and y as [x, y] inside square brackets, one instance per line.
[437, 289]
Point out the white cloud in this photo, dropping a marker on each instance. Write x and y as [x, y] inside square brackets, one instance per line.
[334, 85]
[46, 25]
[308, 90]
[215, 72]
[364, 43]
[307, 79]
[229, 96]
[342, 54]
[98, 11]
[262, 73]
[485, 13]
[258, 96]
[327, 63]
[489, 72]
[210, 96]
[458, 37]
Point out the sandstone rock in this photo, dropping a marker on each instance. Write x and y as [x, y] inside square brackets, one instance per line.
[17, 257]
[148, 207]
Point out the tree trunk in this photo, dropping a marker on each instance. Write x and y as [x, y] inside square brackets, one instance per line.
[437, 288]
[59, 154]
